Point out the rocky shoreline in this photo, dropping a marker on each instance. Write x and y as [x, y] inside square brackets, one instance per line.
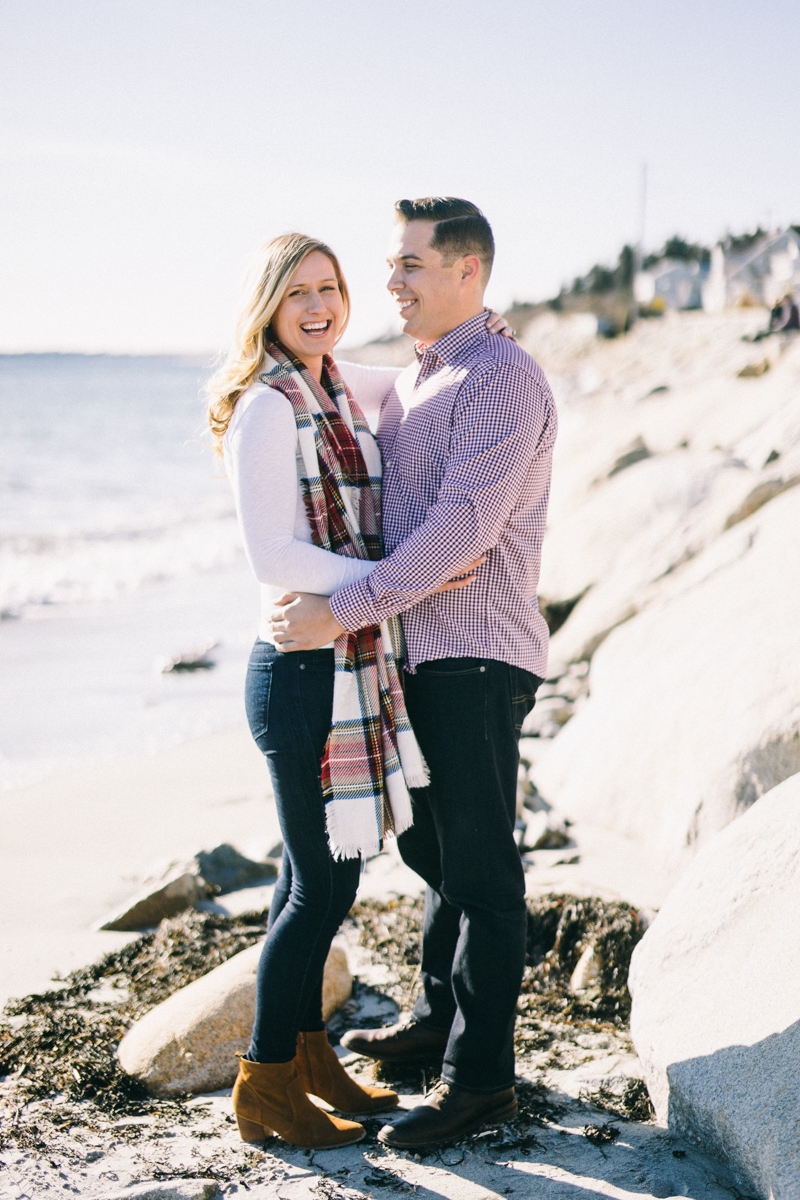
[72, 1120]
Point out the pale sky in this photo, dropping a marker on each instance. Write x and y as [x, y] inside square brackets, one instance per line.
[148, 146]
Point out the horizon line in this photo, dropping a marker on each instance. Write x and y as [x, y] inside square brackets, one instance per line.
[209, 355]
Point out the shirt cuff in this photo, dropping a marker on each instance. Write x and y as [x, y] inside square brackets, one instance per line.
[354, 607]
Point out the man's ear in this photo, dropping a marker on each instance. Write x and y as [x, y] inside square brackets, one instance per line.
[470, 268]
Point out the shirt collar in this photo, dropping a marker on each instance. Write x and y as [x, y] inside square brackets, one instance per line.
[450, 346]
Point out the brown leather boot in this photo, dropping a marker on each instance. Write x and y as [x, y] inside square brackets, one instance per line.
[269, 1098]
[323, 1075]
[447, 1114]
[397, 1043]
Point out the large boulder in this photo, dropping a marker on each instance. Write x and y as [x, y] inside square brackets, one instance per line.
[694, 704]
[662, 530]
[645, 477]
[166, 1189]
[177, 890]
[179, 885]
[227, 870]
[716, 998]
[667, 384]
[646, 500]
[633, 532]
[188, 1043]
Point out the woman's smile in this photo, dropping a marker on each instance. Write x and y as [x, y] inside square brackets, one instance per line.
[316, 329]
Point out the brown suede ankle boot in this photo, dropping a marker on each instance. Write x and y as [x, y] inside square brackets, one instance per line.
[269, 1098]
[323, 1075]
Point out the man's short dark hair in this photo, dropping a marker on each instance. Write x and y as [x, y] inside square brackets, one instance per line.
[460, 228]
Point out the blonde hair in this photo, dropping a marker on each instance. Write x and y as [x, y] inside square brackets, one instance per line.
[266, 284]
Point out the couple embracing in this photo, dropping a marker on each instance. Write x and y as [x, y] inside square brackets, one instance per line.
[400, 648]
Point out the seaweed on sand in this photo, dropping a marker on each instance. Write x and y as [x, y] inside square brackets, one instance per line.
[391, 930]
[631, 1104]
[64, 1041]
[549, 1015]
[560, 928]
[601, 1135]
[58, 1048]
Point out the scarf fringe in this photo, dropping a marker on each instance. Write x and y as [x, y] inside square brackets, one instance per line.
[414, 766]
[344, 820]
[346, 837]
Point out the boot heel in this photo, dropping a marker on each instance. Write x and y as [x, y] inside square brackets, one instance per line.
[249, 1131]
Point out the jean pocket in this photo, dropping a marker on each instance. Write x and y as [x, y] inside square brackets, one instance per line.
[455, 685]
[452, 668]
[256, 698]
[523, 698]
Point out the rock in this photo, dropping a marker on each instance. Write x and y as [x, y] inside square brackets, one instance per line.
[694, 702]
[536, 828]
[753, 370]
[556, 612]
[178, 885]
[568, 334]
[642, 568]
[548, 716]
[716, 1002]
[543, 831]
[556, 700]
[760, 495]
[619, 537]
[190, 660]
[635, 453]
[587, 970]
[166, 1189]
[337, 982]
[647, 515]
[164, 898]
[228, 870]
[685, 502]
[188, 1043]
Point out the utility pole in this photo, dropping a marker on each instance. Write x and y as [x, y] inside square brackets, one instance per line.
[643, 212]
[638, 252]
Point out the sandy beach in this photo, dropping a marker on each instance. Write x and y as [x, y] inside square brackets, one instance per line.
[77, 844]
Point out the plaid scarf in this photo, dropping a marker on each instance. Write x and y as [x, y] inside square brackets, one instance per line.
[372, 756]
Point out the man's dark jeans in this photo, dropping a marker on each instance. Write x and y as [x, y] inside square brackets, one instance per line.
[467, 714]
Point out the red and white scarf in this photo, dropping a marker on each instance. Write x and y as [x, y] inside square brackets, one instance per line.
[372, 756]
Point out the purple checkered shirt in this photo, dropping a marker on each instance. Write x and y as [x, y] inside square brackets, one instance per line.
[467, 440]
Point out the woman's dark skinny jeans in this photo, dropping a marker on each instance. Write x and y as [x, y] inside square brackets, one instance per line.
[289, 701]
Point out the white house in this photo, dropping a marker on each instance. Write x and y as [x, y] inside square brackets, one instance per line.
[761, 275]
[673, 282]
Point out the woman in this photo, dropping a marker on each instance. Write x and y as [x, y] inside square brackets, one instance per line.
[305, 470]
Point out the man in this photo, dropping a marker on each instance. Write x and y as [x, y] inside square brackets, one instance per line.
[790, 315]
[467, 439]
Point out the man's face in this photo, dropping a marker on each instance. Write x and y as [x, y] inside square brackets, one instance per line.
[428, 295]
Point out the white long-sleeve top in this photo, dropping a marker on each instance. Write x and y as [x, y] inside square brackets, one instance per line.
[262, 460]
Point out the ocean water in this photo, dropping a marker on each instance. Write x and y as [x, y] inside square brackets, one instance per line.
[118, 548]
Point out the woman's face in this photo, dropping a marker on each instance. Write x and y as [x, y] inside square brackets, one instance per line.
[311, 313]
